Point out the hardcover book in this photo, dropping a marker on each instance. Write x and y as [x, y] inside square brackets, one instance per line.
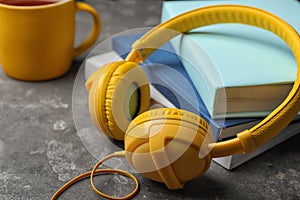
[252, 66]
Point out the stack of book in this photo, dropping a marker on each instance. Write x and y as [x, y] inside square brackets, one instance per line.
[257, 70]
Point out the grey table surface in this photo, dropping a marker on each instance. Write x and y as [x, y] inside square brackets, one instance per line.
[42, 146]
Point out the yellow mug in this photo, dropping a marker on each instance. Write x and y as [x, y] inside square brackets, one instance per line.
[37, 41]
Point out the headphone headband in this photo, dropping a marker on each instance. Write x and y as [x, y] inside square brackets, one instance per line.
[277, 120]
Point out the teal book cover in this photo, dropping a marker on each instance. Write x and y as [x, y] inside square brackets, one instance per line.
[245, 69]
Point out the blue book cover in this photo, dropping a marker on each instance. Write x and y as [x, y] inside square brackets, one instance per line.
[182, 93]
[254, 67]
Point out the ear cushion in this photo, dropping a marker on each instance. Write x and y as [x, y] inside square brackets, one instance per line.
[110, 96]
[169, 145]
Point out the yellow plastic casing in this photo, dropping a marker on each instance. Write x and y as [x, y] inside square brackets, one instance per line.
[163, 143]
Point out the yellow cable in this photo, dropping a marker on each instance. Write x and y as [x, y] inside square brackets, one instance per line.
[96, 171]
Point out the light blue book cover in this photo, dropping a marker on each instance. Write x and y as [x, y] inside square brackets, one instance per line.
[237, 56]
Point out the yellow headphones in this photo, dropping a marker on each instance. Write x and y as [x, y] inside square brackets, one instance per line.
[174, 146]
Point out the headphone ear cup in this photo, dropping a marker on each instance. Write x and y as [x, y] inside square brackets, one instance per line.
[117, 95]
[169, 145]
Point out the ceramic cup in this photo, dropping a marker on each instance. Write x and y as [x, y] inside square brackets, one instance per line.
[37, 37]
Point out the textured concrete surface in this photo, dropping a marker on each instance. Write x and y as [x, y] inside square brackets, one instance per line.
[41, 146]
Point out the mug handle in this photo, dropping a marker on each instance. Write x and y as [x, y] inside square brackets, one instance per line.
[92, 38]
